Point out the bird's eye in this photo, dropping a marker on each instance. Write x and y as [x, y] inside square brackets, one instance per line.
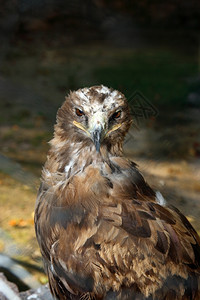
[116, 114]
[79, 112]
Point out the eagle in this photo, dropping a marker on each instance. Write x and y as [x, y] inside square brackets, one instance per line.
[101, 229]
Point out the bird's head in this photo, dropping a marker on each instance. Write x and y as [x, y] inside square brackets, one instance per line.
[98, 115]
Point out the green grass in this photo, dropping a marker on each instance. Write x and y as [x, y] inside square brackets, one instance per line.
[159, 75]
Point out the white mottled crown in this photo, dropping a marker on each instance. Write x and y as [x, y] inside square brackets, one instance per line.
[112, 98]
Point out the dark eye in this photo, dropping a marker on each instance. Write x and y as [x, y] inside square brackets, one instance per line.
[79, 112]
[116, 114]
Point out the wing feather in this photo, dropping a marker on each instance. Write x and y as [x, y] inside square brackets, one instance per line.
[115, 243]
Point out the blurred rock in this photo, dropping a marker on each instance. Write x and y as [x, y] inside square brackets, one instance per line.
[193, 99]
[17, 273]
[8, 290]
[41, 293]
[15, 170]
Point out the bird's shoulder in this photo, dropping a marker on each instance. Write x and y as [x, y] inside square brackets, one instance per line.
[103, 224]
[114, 200]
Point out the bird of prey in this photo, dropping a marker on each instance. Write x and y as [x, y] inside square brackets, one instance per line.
[102, 232]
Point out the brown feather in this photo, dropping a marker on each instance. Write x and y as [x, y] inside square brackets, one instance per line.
[101, 232]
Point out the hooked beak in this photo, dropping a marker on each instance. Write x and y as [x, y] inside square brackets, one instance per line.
[96, 132]
[97, 129]
[97, 136]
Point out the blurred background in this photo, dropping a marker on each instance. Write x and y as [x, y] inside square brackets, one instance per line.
[149, 50]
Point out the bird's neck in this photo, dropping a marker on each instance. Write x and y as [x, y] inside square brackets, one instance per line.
[69, 157]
